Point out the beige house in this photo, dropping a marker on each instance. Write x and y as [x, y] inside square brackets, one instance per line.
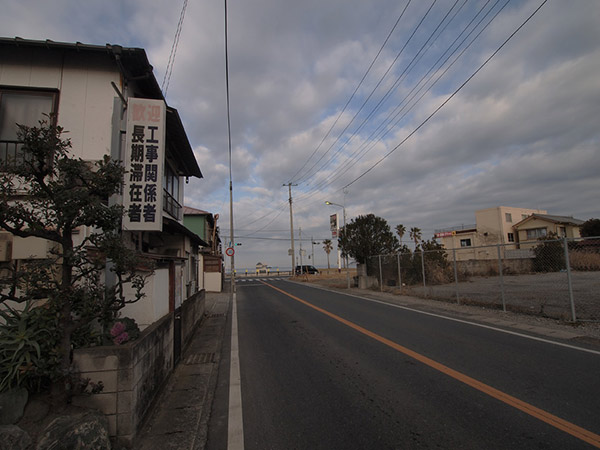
[493, 226]
[109, 101]
[95, 93]
[536, 226]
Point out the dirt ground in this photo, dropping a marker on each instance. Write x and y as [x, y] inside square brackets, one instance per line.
[544, 294]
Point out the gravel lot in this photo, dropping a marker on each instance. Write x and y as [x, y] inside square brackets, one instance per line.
[544, 294]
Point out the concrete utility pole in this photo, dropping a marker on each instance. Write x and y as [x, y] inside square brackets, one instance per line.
[289, 185]
[339, 252]
[301, 266]
[313, 249]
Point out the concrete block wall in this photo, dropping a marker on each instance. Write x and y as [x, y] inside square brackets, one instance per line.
[192, 312]
[132, 375]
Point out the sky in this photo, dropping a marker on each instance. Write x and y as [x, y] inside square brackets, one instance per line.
[420, 112]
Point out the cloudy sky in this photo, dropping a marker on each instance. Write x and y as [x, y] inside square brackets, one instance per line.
[388, 107]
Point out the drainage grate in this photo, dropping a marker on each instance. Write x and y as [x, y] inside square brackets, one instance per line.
[213, 316]
[200, 358]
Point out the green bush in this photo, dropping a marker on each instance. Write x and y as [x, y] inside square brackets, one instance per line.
[28, 347]
[549, 255]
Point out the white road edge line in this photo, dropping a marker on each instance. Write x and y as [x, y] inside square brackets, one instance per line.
[475, 324]
[235, 424]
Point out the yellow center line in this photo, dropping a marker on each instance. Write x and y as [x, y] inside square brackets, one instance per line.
[557, 422]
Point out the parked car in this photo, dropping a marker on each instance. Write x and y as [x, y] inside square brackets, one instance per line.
[306, 269]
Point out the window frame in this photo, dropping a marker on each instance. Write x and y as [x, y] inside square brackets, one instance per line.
[53, 94]
[537, 233]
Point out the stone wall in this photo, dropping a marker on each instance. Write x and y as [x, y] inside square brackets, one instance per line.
[134, 373]
[487, 267]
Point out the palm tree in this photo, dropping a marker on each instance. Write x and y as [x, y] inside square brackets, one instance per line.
[415, 234]
[327, 246]
[401, 230]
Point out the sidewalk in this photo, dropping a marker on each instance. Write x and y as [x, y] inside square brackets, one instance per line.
[179, 417]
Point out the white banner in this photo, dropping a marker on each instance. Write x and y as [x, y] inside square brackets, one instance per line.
[144, 161]
[333, 225]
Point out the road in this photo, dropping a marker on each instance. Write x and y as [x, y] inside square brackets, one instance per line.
[323, 370]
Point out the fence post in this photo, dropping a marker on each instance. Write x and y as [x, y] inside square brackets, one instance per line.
[569, 280]
[455, 276]
[399, 274]
[380, 275]
[423, 267]
[501, 278]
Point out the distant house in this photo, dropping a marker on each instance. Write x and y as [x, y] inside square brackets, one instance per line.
[493, 226]
[210, 264]
[262, 268]
[536, 226]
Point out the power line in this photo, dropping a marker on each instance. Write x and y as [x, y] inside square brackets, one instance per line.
[364, 148]
[369, 142]
[389, 92]
[449, 98]
[309, 174]
[355, 90]
[171, 63]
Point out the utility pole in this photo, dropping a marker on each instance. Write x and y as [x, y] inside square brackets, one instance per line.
[289, 185]
[313, 249]
[301, 266]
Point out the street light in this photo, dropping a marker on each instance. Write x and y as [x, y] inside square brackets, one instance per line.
[344, 213]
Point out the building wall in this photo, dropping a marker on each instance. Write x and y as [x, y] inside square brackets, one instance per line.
[494, 221]
[197, 224]
[156, 303]
[85, 100]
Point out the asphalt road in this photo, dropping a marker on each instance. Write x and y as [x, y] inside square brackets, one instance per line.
[322, 370]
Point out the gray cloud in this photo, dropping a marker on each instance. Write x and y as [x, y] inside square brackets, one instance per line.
[523, 132]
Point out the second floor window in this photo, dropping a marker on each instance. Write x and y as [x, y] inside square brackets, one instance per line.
[465, 242]
[21, 107]
[171, 192]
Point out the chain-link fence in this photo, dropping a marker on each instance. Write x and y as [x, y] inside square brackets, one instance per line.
[557, 278]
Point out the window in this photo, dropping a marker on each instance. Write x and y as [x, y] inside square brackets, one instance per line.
[508, 217]
[24, 108]
[465, 242]
[536, 233]
[511, 237]
[171, 191]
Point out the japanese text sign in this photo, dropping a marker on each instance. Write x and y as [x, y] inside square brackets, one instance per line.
[144, 160]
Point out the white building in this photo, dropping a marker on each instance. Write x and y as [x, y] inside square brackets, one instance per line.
[101, 95]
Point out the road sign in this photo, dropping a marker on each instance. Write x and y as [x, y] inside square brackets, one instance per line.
[230, 251]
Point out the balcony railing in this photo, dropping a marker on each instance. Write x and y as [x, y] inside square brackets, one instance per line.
[10, 152]
[456, 228]
[171, 206]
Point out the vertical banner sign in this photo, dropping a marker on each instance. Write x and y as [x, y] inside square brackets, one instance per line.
[333, 225]
[144, 161]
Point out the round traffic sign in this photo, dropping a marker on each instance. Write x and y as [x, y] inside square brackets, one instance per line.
[230, 251]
